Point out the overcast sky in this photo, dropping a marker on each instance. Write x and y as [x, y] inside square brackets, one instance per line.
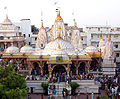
[86, 12]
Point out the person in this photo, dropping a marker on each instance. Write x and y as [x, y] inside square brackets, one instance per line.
[29, 96]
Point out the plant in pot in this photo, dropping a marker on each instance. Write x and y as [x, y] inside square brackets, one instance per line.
[73, 85]
[45, 87]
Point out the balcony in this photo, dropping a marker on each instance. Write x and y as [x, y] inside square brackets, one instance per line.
[13, 38]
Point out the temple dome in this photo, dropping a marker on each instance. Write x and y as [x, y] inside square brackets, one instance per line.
[91, 49]
[7, 21]
[64, 45]
[26, 49]
[12, 49]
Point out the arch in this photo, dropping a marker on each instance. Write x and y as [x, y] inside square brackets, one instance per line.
[73, 69]
[94, 64]
[59, 69]
[81, 68]
[36, 69]
[45, 68]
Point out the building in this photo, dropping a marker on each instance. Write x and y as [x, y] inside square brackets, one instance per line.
[9, 34]
[62, 49]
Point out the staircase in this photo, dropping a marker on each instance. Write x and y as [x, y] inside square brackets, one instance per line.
[59, 88]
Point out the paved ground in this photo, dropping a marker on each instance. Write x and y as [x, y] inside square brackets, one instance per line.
[82, 96]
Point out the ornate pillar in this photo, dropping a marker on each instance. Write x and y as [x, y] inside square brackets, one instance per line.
[88, 66]
[68, 70]
[50, 70]
[41, 70]
[76, 70]
[5, 45]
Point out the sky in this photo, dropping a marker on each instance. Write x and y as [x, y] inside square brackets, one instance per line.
[86, 12]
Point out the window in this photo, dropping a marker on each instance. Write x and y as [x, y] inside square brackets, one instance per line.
[89, 29]
[116, 36]
[24, 35]
[91, 36]
[41, 45]
[82, 38]
[117, 54]
[98, 29]
[29, 43]
[116, 46]
[20, 33]
[98, 36]
[107, 29]
[35, 38]
[29, 35]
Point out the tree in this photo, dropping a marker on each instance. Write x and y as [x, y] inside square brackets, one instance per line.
[73, 85]
[12, 85]
[45, 87]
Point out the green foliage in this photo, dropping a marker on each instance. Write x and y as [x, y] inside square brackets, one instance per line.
[103, 97]
[44, 85]
[12, 85]
[74, 85]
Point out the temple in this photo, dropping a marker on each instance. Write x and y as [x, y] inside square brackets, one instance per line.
[59, 54]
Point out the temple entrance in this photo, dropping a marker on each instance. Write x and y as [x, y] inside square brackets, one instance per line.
[36, 69]
[73, 69]
[81, 68]
[94, 65]
[59, 69]
[45, 68]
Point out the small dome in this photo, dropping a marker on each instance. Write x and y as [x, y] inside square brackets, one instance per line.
[91, 49]
[7, 21]
[12, 49]
[26, 49]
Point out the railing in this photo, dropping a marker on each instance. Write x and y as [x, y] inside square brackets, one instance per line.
[13, 38]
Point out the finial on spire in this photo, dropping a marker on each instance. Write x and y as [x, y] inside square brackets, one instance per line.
[75, 24]
[58, 35]
[59, 46]
[101, 37]
[26, 44]
[58, 13]
[12, 44]
[58, 27]
[6, 16]
[109, 38]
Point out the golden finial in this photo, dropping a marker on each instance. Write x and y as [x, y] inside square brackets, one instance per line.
[75, 37]
[6, 17]
[12, 44]
[26, 44]
[58, 35]
[58, 27]
[102, 37]
[59, 46]
[58, 13]
[75, 27]
[42, 27]
[109, 38]
[76, 34]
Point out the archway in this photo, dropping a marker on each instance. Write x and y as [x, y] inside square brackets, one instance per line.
[59, 69]
[45, 68]
[94, 65]
[73, 69]
[36, 69]
[81, 68]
